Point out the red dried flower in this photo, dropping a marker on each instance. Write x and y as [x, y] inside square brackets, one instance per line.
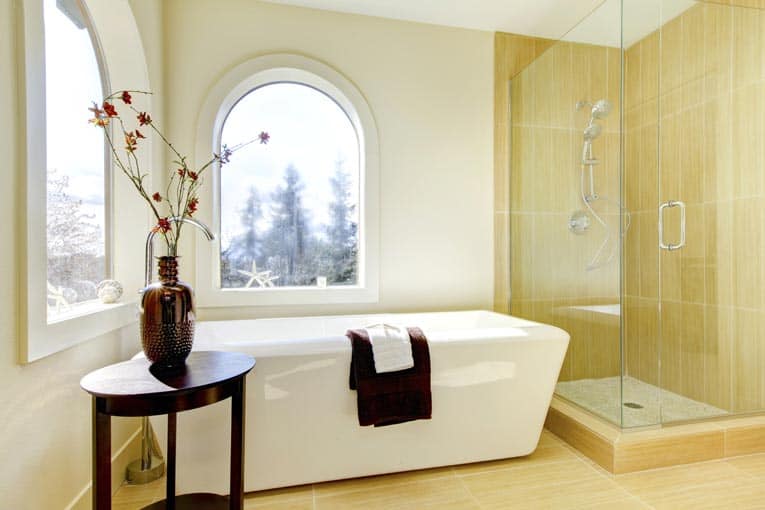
[99, 116]
[130, 141]
[191, 208]
[110, 110]
[96, 110]
[144, 118]
[189, 180]
[163, 225]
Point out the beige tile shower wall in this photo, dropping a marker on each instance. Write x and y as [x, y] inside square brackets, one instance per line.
[549, 280]
[512, 53]
[694, 114]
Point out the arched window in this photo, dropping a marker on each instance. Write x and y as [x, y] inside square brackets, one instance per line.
[76, 162]
[72, 239]
[297, 218]
[290, 211]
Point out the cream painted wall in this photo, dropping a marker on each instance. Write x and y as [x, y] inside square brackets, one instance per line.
[45, 418]
[431, 91]
[148, 15]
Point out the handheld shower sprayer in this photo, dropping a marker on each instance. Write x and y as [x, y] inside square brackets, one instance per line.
[598, 111]
[591, 132]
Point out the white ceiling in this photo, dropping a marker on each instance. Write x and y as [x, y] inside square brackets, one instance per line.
[641, 17]
[541, 18]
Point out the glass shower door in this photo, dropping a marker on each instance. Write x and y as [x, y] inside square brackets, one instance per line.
[709, 211]
[694, 185]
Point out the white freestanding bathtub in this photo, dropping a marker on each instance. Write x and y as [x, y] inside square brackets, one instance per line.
[492, 380]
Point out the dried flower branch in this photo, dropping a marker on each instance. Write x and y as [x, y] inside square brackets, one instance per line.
[181, 198]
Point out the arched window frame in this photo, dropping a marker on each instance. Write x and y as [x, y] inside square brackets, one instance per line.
[122, 62]
[255, 73]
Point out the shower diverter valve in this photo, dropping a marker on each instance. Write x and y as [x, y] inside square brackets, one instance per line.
[579, 222]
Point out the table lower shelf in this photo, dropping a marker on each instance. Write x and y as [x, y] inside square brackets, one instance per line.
[196, 501]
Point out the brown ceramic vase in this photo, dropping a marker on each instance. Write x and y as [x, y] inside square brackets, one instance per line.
[167, 317]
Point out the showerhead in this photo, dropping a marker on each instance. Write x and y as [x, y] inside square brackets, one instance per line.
[591, 132]
[601, 109]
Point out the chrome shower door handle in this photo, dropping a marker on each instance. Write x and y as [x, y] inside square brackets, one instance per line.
[665, 205]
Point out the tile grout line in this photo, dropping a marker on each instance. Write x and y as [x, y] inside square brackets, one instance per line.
[612, 478]
[743, 473]
[408, 479]
[509, 468]
[721, 460]
[467, 489]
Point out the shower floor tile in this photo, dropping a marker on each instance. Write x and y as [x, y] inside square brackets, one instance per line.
[643, 404]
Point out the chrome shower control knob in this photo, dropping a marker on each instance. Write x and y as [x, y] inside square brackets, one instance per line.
[579, 222]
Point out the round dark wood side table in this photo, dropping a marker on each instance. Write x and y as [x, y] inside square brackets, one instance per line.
[135, 388]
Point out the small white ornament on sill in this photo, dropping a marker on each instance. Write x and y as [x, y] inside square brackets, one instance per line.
[321, 281]
[58, 295]
[262, 278]
[109, 291]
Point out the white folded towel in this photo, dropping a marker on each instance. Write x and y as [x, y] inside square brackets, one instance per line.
[391, 348]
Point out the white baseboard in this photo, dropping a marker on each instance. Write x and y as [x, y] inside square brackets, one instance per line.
[126, 454]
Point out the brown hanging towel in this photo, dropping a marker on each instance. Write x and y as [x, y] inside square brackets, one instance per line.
[392, 397]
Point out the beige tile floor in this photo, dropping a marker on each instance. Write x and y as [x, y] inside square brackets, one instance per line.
[554, 477]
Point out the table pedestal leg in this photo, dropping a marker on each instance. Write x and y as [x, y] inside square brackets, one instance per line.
[172, 422]
[102, 458]
[237, 447]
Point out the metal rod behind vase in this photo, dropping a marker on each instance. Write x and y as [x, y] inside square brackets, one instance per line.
[151, 467]
[149, 263]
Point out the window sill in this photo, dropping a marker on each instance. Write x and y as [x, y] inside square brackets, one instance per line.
[87, 308]
[279, 296]
[78, 325]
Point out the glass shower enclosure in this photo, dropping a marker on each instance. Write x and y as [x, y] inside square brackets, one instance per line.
[637, 216]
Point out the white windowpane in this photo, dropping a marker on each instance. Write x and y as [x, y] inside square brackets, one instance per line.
[75, 160]
[290, 209]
